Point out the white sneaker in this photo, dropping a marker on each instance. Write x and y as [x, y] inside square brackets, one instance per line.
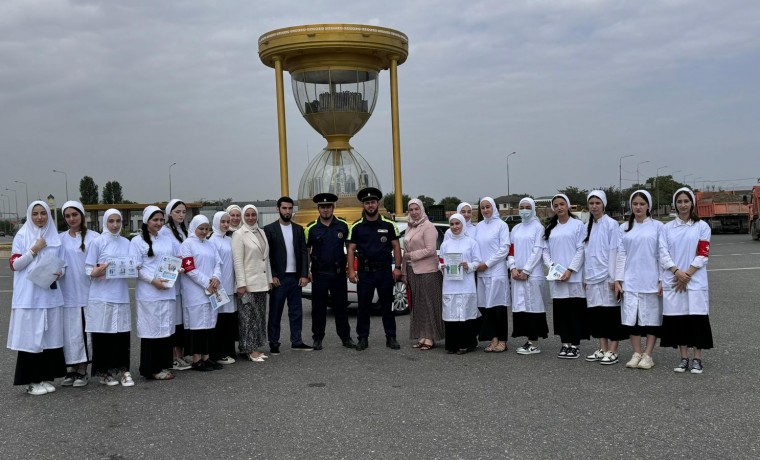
[646, 362]
[226, 360]
[180, 365]
[528, 349]
[68, 380]
[126, 379]
[634, 362]
[609, 358]
[36, 389]
[108, 380]
[81, 380]
[595, 356]
[48, 387]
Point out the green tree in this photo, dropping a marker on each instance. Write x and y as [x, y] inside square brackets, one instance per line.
[117, 192]
[108, 193]
[389, 202]
[450, 203]
[577, 196]
[426, 201]
[88, 191]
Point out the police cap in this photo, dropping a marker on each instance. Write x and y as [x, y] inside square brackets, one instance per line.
[325, 198]
[369, 193]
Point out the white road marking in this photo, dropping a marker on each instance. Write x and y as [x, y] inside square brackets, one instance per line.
[745, 254]
[732, 269]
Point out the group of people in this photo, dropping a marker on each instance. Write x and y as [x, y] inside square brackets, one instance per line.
[609, 281]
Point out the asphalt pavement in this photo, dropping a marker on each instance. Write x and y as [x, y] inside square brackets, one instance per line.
[379, 403]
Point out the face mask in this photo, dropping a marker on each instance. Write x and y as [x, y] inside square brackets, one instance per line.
[526, 214]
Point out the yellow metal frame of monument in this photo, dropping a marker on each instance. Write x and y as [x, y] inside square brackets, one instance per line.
[335, 46]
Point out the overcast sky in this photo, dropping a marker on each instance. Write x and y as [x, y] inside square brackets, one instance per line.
[120, 90]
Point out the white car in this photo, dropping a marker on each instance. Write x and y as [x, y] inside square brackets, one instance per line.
[400, 302]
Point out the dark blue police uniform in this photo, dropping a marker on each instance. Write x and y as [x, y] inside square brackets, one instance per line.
[374, 256]
[328, 276]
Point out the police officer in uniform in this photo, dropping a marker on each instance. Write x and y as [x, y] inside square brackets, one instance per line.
[373, 243]
[326, 241]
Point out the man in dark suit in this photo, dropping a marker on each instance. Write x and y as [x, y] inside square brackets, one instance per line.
[290, 270]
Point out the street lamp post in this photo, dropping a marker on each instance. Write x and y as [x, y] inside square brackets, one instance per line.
[170, 181]
[513, 153]
[620, 181]
[15, 196]
[638, 180]
[66, 176]
[26, 190]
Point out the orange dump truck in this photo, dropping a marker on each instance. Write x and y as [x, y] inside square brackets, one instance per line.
[725, 212]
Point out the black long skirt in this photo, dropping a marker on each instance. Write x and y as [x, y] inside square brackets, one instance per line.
[155, 356]
[39, 367]
[643, 331]
[568, 319]
[110, 351]
[694, 331]
[604, 323]
[461, 334]
[225, 335]
[530, 325]
[200, 341]
[496, 322]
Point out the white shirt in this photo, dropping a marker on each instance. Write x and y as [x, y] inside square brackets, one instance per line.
[105, 246]
[287, 235]
[678, 248]
[223, 245]
[565, 246]
[601, 251]
[25, 293]
[163, 245]
[527, 248]
[492, 236]
[460, 299]
[75, 286]
[637, 264]
[207, 266]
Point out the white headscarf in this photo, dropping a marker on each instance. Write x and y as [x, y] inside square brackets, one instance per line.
[76, 205]
[170, 206]
[460, 206]
[493, 206]
[216, 224]
[646, 194]
[107, 233]
[532, 204]
[148, 211]
[689, 192]
[253, 227]
[197, 221]
[564, 197]
[423, 218]
[168, 216]
[32, 232]
[230, 208]
[460, 218]
[599, 194]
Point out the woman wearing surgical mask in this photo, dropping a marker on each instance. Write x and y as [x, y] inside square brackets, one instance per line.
[564, 246]
[36, 323]
[155, 299]
[75, 287]
[603, 314]
[203, 267]
[492, 236]
[108, 317]
[684, 250]
[637, 278]
[524, 261]
[226, 330]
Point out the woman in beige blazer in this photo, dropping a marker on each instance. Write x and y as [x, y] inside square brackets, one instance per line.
[253, 279]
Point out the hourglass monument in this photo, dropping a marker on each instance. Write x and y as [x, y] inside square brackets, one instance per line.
[334, 72]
